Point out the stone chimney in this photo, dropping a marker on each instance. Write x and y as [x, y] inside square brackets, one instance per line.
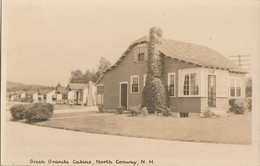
[90, 94]
[154, 58]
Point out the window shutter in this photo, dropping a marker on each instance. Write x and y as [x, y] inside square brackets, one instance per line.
[135, 54]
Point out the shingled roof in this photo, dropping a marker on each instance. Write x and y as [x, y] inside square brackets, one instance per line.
[76, 86]
[187, 52]
[45, 91]
[196, 54]
[61, 90]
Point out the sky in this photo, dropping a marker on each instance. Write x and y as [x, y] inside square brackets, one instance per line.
[44, 40]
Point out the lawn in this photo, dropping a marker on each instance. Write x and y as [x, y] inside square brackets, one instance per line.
[235, 129]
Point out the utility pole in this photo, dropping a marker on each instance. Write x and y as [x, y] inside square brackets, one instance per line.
[242, 60]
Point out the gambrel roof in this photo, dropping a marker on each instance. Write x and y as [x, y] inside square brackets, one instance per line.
[189, 53]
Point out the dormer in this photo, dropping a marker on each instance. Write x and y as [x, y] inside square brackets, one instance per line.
[140, 53]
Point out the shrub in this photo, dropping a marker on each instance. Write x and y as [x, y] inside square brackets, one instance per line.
[120, 109]
[50, 107]
[38, 112]
[167, 112]
[238, 106]
[144, 111]
[101, 108]
[249, 104]
[17, 111]
[135, 110]
[207, 113]
[154, 97]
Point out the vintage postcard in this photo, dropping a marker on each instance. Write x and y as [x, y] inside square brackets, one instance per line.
[130, 83]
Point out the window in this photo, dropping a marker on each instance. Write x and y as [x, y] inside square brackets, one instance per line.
[235, 87]
[100, 94]
[100, 89]
[54, 97]
[194, 89]
[238, 87]
[191, 82]
[140, 57]
[171, 84]
[184, 114]
[134, 84]
[186, 85]
[232, 87]
[140, 53]
[190, 86]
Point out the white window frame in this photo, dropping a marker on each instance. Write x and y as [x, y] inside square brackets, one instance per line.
[174, 83]
[235, 78]
[182, 73]
[190, 95]
[102, 100]
[132, 83]
[137, 54]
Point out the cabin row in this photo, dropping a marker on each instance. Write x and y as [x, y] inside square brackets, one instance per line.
[197, 77]
[73, 94]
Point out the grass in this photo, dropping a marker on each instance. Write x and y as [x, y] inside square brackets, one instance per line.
[235, 129]
[65, 106]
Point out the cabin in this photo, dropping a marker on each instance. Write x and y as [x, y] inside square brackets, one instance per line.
[197, 77]
[21, 95]
[12, 96]
[29, 95]
[81, 94]
[61, 95]
[44, 96]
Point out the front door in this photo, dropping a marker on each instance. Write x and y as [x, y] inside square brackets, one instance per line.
[212, 91]
[124, 95]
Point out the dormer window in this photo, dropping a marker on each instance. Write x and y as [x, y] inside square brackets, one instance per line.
[140, 53]
[140, 57]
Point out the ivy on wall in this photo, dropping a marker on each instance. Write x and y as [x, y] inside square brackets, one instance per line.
[154, 93]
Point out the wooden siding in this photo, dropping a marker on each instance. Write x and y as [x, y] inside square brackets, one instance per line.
[186, 104]
[127, 68]
[172, 66]
[123, 73]
[181, 104]
[221, 104]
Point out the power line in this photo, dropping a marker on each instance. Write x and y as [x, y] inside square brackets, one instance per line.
[243, 61]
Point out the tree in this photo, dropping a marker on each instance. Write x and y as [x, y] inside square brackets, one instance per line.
[103, 64]
[89, 76]
[76, 76]
[154, 95]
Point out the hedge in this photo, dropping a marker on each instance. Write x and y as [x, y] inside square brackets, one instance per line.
[239, 105]
[38, 112]
[17, 111]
